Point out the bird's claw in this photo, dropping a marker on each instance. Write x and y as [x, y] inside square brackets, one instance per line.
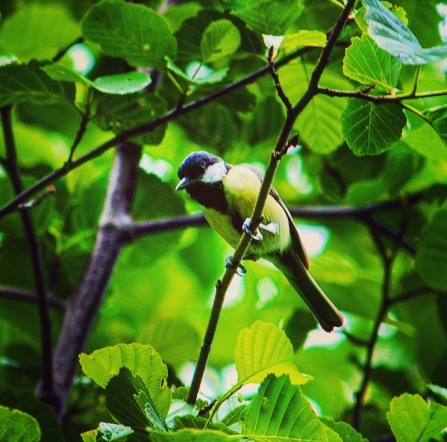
[256, 236]
[240, 270]
[270, 227]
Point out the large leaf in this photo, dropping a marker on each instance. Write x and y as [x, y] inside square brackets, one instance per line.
[393, 36]
[16, 426]
[263, 349]
[130, 31]
[280, 411]
[220, 39]
[366, 63]
[413, 420]
[142, 360]
[371, 129]
[269, 16]
[28, 83]
[432, 251]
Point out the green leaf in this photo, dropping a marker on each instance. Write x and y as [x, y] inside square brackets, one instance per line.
[273, 414]
[146, 403]
[130, 31]
[344, 430]
[197, 73]
[122, 84]
[220, 39]
[118, 113]
[437, 118]
[431, 251]
[412, 419]
[121, 393]
[304, 38]
[118, 84]
[367, 64]
[188, 435]
[393, 36]
[28, 83]
[269, 16]
[163, 335]
[371, 129]
[38, 30]
[112, 432]
[16, 426]
[141, 359]
[263, 349]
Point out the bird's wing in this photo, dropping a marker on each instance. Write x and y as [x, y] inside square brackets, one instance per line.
[297, 245]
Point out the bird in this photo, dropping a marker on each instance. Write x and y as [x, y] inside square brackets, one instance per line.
[227, 194]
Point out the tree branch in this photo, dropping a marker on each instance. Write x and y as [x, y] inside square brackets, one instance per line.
[47, 392]
[26, 296]
[114, 232]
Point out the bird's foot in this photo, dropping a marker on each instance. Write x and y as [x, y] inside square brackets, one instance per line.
[256, 235]
[240, 270]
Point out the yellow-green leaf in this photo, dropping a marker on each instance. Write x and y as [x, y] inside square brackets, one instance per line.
[263, 349]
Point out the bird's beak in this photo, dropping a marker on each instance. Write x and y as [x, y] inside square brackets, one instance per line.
[184, 182]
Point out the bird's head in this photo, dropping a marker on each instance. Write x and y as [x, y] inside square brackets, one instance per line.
[201, 167]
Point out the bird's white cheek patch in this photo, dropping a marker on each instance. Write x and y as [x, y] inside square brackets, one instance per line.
[214, 173]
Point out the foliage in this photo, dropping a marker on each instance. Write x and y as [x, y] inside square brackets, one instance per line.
[103, 263]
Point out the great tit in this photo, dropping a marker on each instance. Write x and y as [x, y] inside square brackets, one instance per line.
[228, 194]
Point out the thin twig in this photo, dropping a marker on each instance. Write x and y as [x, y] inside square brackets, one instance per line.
[26, 296]
[279, 90]
[47, 392]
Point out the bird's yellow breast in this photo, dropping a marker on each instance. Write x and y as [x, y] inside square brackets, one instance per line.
[241, 187]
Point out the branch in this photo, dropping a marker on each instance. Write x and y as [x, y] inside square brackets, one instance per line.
[113, 234]
[47, 392]
[379, 98]
[26, 296]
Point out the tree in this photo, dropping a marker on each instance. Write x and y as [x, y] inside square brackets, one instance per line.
[103, 262]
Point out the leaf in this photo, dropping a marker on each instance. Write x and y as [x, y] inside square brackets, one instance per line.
[141, 360]
[16, 426]
[280, 411]
[197, 73]
[393, 36]
[367, 64]
[112, 432]
[412, 419]
[38, 30]
[121, 393]
[28, 83]
[130, 31]
[437, 118]
[220, 39]
[118, 113]
[263, 349]
[270, 16]
[344, 430]
[163, 335]
[119, 84]
[188, 435]
[304, 38]
[431, 251]
[371, 129]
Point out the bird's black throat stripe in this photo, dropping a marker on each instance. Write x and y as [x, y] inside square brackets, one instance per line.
[210, 195]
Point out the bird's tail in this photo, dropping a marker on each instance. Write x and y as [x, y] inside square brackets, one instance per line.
[299, 277]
